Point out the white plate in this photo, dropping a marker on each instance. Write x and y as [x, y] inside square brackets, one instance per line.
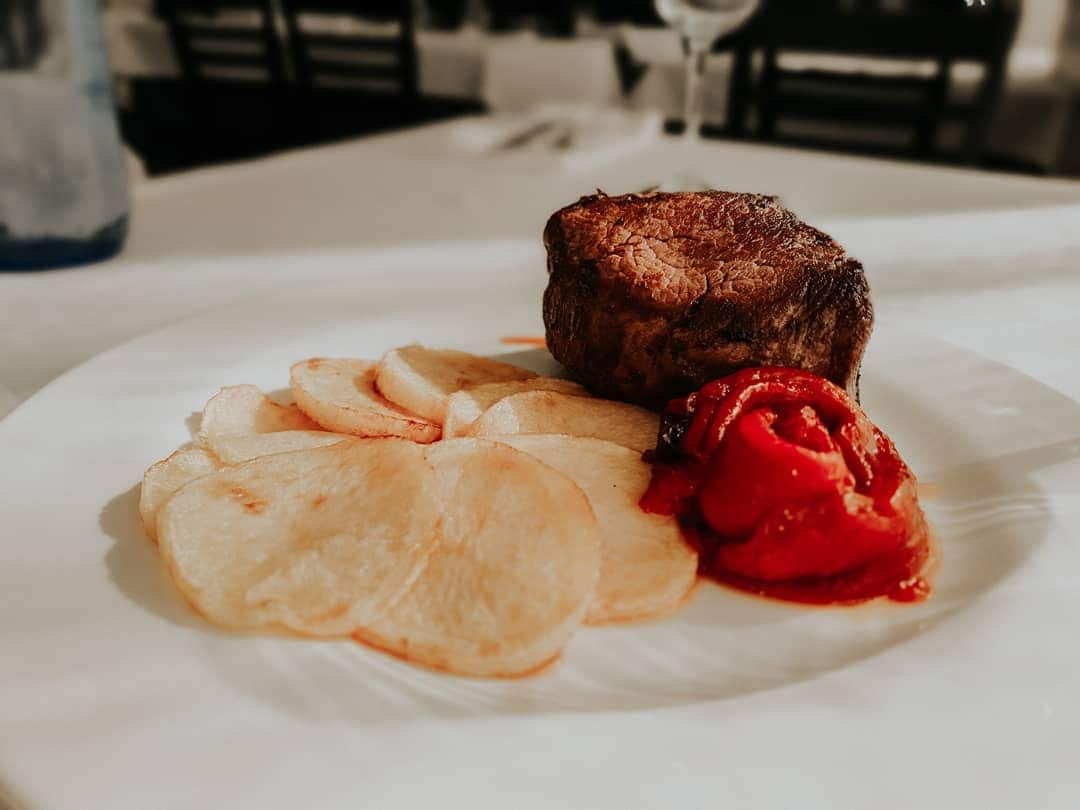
[113, 694]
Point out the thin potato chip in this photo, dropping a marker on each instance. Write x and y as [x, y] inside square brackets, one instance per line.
[512, 574]
[233, 450]
[340, 395]
[466, 406]
[552, 412]
[318, 541]
[167, 476]
[244, 409]
[647, 569]
[421, 380]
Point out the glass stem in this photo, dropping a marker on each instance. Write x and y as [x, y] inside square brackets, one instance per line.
[695, 53]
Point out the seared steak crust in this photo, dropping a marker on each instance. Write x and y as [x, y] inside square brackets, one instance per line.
[650, 296]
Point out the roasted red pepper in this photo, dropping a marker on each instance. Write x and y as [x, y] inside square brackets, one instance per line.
[790, 491]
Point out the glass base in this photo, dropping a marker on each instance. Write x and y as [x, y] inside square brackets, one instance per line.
[43, 253]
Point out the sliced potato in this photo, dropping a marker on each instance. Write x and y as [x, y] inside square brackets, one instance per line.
[512, 574]
[421, 380]
[186, 464]
[647, 569]
[233, 450]
[166, 477]
[244, 409]
[466, 406]
[318, 541]
[552, 412]
[340, 395]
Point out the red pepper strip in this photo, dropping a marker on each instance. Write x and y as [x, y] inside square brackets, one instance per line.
[790, 489]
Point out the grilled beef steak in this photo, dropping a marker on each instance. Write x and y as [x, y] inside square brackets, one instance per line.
[652, 295]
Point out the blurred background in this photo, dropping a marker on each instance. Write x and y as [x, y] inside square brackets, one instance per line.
[990, 83]
[470, 121]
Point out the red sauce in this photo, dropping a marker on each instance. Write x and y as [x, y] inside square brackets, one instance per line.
[788, 490]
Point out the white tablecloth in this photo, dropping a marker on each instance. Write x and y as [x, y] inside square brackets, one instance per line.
[990, 261]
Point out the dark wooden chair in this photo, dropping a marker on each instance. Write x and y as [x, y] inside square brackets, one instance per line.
[377, 62]
[354, 82]
[209, 49]
[941, 33]
[233, 99]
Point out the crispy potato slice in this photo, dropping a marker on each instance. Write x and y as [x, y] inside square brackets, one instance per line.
[244, 409]
[421, 380]
[233, 450]
[318, 541]
[647, 569]
[167, 476]
[466, 406]
[188, 463]
[552, 412]
[340, 395]
[512, 574]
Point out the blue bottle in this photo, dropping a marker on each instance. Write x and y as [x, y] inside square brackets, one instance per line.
[63, 173]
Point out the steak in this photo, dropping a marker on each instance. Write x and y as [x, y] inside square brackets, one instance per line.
[650, 296]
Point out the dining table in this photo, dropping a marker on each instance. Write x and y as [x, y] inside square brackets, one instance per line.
[990, 260]
[985, 262]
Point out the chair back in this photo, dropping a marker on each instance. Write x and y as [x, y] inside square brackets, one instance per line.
[884, 64]
[365, 45]
[224, 40]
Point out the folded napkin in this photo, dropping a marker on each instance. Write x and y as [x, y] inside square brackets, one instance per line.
[574, 136]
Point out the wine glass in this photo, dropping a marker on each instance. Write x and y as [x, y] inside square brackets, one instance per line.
[699, 24]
